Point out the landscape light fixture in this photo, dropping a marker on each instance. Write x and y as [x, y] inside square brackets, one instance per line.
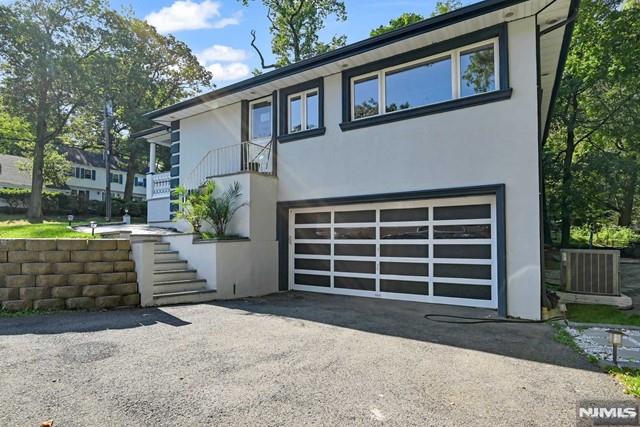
[615, 339]
[93, 228]
[69, 218]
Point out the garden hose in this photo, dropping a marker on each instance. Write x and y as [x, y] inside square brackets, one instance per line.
[464, 320]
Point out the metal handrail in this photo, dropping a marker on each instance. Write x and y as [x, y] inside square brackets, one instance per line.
[230, 159]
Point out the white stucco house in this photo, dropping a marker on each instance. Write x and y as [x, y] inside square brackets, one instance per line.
[87, 177]
[404, 166]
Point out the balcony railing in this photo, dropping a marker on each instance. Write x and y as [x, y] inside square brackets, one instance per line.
[159, 185]
[228, 160]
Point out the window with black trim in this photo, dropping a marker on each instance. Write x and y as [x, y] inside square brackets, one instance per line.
[301, 111]
[461, 72]
[468, 70]
[304, 111]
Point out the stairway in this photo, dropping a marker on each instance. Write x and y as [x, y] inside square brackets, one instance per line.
[174, 282]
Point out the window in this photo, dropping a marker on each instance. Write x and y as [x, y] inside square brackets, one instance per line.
[477, 70]
[116, 178]
[402, 92]
[365, 97]
[304, 111]
[301, 111]
[140, 182]
[389, 89]
[87, 173]
[260, 120]
[93, 175]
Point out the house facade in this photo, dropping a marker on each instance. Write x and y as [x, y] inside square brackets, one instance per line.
[405, 166]
[87, 177]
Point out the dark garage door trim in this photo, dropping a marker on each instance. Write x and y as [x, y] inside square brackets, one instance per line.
[282, 228]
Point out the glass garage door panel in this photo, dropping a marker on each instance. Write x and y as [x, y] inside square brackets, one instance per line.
[439, 250]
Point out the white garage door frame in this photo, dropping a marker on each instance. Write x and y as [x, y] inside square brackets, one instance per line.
[429, 279]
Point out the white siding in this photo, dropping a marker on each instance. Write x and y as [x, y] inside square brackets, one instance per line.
[488, 144]
[493, 143]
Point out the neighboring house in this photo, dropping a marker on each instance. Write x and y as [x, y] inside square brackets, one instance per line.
[11, 175]
[87, 177]
[405, 166]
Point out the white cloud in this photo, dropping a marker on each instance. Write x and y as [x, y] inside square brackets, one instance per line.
[190, 15]
[222, 53]
[225, 22]
[227, 72]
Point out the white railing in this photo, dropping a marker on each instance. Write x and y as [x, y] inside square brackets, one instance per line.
[231, 159]
[159, 185]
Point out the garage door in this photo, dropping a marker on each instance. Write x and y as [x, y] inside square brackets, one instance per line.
[436, 250]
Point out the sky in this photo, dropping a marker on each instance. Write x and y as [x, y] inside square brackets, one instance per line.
[218, 31]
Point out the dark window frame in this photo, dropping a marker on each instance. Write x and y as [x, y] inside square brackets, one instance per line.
[502, 92]
[283, 135]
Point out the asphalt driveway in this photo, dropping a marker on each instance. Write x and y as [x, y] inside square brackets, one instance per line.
[288, 359]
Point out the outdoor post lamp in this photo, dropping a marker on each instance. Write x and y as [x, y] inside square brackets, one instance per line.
[93, 228]
[615, 338]
[126, 218]
[69, 218]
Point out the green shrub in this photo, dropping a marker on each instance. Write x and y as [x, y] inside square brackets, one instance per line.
[607, 236]
[18, 198]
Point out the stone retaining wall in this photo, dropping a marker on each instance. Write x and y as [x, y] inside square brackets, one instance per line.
[52, 274]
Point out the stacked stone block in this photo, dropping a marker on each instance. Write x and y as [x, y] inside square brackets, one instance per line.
[52, 274]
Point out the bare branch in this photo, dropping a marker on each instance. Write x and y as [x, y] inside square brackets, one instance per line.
[253, 44]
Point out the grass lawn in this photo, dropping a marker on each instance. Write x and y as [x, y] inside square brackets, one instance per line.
[17, 226]
[587, 313]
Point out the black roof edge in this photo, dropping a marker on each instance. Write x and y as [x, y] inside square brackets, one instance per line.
[365, 45]
[564, 52]
[149, 131]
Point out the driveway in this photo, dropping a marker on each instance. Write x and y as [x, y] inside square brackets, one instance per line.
[288, 359]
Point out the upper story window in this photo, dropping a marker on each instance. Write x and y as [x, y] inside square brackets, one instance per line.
[116, 178]
[260, 120]
[302, 111]
[467, 70]
[83, 173]
[458, 73]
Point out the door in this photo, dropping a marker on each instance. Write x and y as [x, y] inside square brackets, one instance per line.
[436, 250]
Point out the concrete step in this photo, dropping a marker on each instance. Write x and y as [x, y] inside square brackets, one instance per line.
[162, 246]
[170, 286]
[166, 255]
[170, 265]
[184, 297]
[180, 274]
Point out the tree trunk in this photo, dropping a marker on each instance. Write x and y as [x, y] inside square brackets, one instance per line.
[546, 222]
[131, 173]
[626, 212]
[567, 174]
[37, 173]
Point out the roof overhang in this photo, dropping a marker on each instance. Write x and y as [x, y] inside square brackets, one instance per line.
[437, 29]
[158, 135]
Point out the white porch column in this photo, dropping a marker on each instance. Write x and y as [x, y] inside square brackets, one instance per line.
[152, 157]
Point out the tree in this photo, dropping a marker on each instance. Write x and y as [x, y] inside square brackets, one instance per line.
[598, 89]
[15, 133]
[446, 6]
[47, 51]
[409, 18]
[146, 71]
[401, 21]
[295, 25]
[56, 168]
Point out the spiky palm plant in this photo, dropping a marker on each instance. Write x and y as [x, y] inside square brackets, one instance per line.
[193, 205]
[223, 207]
